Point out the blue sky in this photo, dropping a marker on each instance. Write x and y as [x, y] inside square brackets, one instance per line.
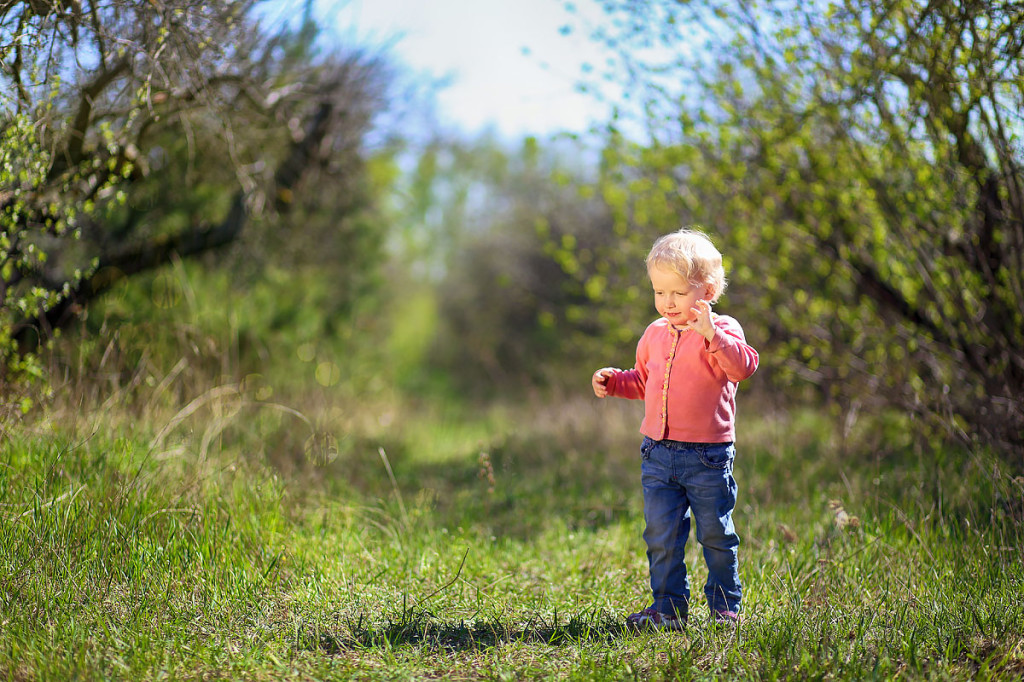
[508, 64]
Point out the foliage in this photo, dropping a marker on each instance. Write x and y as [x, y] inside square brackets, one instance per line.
[478, 223]
[859, 164]
[154, 342]
[23, 245]
[197, 119]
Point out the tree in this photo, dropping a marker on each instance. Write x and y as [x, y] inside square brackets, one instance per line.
[513, 310]
[137, 132]
[860, 163]
[483, 234]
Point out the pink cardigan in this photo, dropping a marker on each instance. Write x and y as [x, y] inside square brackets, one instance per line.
[687, 383]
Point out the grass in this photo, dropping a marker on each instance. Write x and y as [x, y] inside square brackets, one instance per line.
[239, 540]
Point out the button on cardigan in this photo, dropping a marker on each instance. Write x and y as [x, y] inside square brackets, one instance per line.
[688, 384]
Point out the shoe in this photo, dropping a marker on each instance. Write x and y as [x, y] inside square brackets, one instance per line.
[652, 618]
[724, 617]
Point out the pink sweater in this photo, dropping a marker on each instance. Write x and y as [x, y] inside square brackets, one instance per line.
[688, 384]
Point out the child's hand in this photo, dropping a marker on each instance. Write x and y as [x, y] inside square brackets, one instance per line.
[702, 324]
[600, 380]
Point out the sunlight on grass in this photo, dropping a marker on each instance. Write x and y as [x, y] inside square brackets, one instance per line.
[128, 560]
[188, 509]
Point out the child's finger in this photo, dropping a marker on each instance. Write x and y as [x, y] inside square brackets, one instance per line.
[600, 381]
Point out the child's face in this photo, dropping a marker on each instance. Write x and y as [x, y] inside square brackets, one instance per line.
[674, 297]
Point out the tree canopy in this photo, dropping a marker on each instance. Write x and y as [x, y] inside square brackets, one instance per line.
[859, 163]
[134, 133]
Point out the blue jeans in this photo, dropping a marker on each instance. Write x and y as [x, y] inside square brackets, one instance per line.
[679, 478]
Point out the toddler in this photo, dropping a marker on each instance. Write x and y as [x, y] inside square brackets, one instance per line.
[688, 364]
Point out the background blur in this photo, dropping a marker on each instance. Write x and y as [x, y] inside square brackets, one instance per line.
[273, 196]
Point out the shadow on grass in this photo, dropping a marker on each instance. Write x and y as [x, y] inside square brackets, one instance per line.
[423, 629]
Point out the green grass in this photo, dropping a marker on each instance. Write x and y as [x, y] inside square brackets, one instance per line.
[447, 543]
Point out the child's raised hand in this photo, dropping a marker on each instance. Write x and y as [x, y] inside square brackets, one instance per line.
[702, 324]
[600, 380]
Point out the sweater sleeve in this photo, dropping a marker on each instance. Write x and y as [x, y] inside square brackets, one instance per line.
[631, 383]
[730, 350]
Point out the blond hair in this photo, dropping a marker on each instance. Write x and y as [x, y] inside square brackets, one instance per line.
[690, 254]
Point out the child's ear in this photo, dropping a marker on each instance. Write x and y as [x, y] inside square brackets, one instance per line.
[709, 292]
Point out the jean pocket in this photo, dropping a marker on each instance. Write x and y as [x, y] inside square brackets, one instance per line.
[645, 447]
[717, 456]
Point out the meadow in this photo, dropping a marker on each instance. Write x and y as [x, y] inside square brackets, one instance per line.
[240, 537]
[320, 406]
[333, 516]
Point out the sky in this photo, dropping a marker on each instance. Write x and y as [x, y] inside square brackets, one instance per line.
[509, 65]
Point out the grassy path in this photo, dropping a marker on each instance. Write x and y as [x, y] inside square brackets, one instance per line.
[480, 550]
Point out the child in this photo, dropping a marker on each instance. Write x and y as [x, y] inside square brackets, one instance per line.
[688, 364]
